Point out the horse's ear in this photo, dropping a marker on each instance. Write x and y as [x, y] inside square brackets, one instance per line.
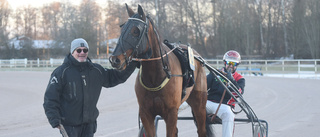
[141, 13]
[129, 10]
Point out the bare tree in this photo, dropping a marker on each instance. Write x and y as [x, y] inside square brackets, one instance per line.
[4, 14]
[311, 27]
[115, 16]
[51, 19]
[90, 19]
[26, 19]
[269, 28]
[178, 20]
[28, 16]
[197, 22]
[296, 36]
[4, 32]
[284, 27]
[17, 22]
[260, 3]
[69, 17]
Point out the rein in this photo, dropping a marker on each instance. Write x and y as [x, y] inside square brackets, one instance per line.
[215, 114]
[152, 59]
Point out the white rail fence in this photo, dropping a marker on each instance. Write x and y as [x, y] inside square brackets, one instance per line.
[38, 64]
[252, 67]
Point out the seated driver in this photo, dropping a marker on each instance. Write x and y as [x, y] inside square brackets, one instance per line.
[215, 91]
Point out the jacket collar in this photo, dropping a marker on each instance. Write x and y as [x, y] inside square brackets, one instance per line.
[69, 59]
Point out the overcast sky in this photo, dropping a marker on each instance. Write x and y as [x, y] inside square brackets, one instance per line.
[38, 3]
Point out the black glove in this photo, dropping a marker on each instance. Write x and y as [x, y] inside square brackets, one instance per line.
[230, 77]
[229, 74]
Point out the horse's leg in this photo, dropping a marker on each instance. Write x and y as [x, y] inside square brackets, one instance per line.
[197, 101]
[171, 122]
[148, 123]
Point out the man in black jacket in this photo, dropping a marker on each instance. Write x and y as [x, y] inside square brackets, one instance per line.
[74, 88]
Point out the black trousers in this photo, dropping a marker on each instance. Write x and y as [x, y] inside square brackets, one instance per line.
[84, 130]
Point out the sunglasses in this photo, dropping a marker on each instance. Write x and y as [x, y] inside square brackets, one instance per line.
[84, 50]
[231, 63]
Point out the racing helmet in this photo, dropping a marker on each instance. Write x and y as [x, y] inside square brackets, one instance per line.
[232, 56]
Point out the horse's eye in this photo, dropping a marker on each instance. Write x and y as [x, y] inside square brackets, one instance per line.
[135, 32]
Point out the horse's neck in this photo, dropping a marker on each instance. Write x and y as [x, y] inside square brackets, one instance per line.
[156, 50]
[155, 66]
[154, 41]
[155, 45]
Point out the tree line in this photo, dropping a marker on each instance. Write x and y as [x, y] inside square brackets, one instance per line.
[258, 29]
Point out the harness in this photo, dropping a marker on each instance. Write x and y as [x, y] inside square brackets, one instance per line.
[183, 56]
[164, 83]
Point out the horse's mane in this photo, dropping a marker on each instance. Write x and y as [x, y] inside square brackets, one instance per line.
[155, 29]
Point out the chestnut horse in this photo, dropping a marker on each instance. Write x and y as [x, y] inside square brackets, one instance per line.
[159, 82]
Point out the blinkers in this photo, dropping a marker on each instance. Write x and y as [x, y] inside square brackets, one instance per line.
[133, 36]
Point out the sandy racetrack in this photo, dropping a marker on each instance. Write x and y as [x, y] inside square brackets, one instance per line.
[289, 105]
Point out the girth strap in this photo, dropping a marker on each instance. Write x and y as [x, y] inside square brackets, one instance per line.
[164, 83]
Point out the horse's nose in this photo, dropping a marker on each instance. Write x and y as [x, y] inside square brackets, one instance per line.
[114, 61]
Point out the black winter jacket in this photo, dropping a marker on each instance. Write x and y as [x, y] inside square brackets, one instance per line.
[215, 89]
[74, 89]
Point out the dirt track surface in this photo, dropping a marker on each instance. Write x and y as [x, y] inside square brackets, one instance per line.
[289, 105]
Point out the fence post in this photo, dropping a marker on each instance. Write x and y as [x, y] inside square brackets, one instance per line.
[11, 63]
[51, 62]
[38, 62]
[298, 66]
[282, 65]
[250, 69]
[315, 62]
[266, 65]
[31, 64]
[25, 62]
[315, 66]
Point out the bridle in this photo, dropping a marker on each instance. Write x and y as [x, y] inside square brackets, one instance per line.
[136, 43]
[139, 44]
[140, 48]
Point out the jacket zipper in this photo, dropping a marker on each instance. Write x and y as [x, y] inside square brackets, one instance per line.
[84, 80]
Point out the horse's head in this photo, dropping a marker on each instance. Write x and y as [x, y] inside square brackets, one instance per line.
[132, 41]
